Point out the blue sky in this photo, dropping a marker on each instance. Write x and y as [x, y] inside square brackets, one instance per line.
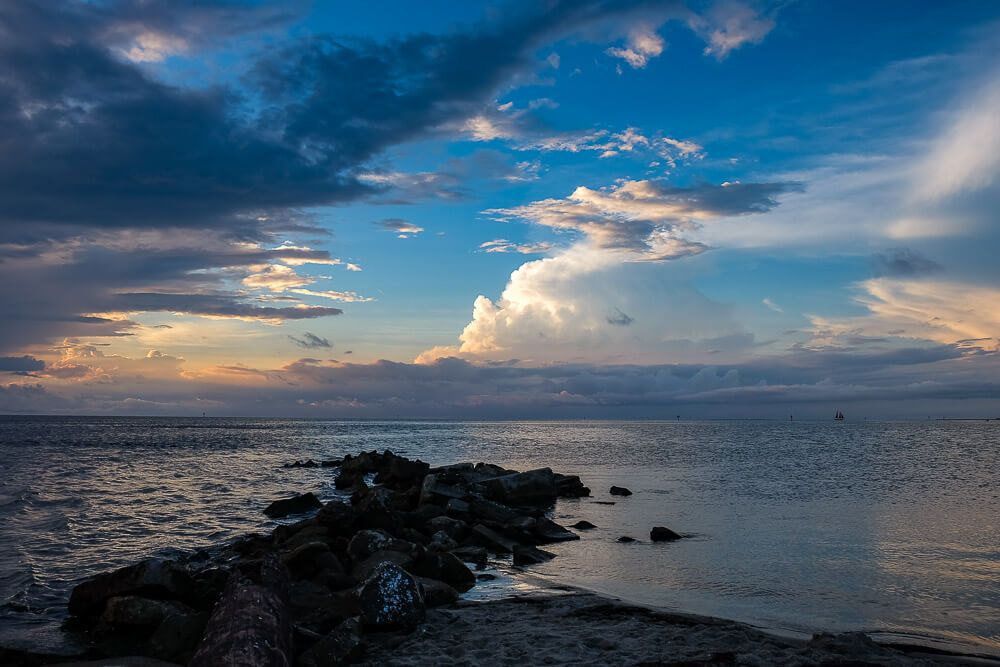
[503, 209]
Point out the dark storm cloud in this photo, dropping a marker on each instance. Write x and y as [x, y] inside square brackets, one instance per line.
[311, 341]
[216, 305]
[93, 142]
[92, 139]
[20, 364]
[902, 262]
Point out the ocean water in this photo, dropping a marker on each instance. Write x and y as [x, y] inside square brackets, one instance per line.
[796, 527]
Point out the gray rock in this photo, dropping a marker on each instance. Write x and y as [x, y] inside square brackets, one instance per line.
[390, 598]
[583, 525]
[526, 555]
[663, 534]
[625, 539]
[620, 491]
[294, 505]
[547, 531]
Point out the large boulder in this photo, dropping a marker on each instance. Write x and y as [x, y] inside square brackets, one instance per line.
[522, 488]
[301, 561]
[570, 486]
[176, 637]
[391, 599]
[445, 567]
[154, 578]
[402, 472]
[338, 517]
[295, 505]
[135, 611]
[379, 508]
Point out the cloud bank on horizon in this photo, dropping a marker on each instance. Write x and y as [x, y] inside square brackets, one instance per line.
[621, 209]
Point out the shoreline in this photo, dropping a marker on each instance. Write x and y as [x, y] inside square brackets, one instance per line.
[386, 570]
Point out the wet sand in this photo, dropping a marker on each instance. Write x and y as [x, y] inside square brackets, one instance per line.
[579, 628]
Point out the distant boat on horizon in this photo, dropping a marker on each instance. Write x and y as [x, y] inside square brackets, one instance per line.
[839, 416]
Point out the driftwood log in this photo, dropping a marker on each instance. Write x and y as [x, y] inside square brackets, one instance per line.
[251, 624]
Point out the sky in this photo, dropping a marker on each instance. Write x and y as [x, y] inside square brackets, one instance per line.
[588, 209]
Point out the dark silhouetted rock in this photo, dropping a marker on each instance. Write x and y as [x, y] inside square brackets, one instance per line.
[391, 599]
[527, 555]
[339, 646]
[338, 517]
[662, 534]
[153, 578]
[301, 561]
[546, 531]
[445, 567]
[583, 525]
[132, 610]
[177, 637]
[295, 505]
[620, 491]
[403, 472]
[570, 486]
[625, 539]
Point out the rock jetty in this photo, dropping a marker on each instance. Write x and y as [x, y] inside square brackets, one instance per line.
[311, 591]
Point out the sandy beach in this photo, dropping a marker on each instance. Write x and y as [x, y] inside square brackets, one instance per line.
[579, 628]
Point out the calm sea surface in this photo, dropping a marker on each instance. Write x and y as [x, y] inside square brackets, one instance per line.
[888, 527]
